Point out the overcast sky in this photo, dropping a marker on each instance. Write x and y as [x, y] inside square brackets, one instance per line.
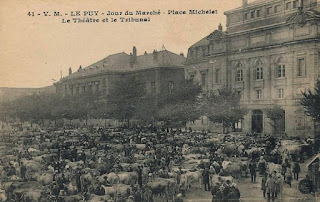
[33, 50]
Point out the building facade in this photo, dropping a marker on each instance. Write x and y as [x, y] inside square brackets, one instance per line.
[160, 72]
[269, 53]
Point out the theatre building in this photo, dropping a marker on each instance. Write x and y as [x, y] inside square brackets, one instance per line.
[269, 53]
[160, 72]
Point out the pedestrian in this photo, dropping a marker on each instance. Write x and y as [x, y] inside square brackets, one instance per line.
[288, 177]
[23, 171]
[253, 171]
[296, 170]
[262, 165]
[286, 165]
[234, 193]
[263, 183]
[140, 176]
[205, 175]
[270, 188]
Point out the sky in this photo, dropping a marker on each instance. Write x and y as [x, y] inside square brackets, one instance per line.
[35, 49]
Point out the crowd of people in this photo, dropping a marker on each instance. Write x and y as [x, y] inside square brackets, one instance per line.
[137, 164]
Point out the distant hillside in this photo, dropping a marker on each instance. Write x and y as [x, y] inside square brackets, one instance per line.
[8, 94]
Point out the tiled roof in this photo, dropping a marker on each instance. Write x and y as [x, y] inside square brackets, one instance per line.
[120, 62]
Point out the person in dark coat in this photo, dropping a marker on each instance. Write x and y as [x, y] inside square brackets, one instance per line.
[139, 171]
[263, 184]
[286, 165]
[253, 171]
[23, 171]
[205, 176]
[234, 193]
[296, 170]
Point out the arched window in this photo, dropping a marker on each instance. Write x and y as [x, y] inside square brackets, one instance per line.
[259, 71]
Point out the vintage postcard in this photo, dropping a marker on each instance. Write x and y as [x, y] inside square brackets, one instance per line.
[159, 100]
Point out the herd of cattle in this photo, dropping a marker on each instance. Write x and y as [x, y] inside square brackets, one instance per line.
[126, 164]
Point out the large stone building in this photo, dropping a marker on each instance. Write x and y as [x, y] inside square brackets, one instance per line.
[160, 72]
[269, 53]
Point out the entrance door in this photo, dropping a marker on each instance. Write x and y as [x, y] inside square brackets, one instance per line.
[257, 121]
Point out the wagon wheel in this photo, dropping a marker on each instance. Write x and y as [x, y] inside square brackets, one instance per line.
[304, 186]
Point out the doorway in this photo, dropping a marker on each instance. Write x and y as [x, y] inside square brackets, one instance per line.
[257, 121]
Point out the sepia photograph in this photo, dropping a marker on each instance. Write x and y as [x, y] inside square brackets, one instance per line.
[160, 101]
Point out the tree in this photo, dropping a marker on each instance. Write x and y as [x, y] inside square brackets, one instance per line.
[311, 104]
[275, 114]
[124, 97]
[223, 106]
[181, 106]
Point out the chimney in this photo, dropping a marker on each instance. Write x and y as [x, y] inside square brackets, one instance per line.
[155, 56]
[145, 52]
[244, 3]
[70, 71]
[181, 54]
[134, 54]
[220, 27]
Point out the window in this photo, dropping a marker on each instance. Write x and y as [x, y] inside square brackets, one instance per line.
[259, 94]
[77, 90]
[246, 16]
[281, 71]
[288, 5]
[301, 67]
[259, 73]
[71, 90]
[171, 87]
[153, 87]
[97, 88]
[239, 75]
[252, 14]
[203, 79]
[280, 93]
[217, 75]
[294, 4]
[276, 8]
[268, 10]
[258, 13]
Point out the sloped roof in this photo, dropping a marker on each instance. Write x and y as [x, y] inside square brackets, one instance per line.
[215, 35]
[120, 62]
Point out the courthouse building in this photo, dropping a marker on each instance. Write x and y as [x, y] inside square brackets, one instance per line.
[160, 72]
[269, 53]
